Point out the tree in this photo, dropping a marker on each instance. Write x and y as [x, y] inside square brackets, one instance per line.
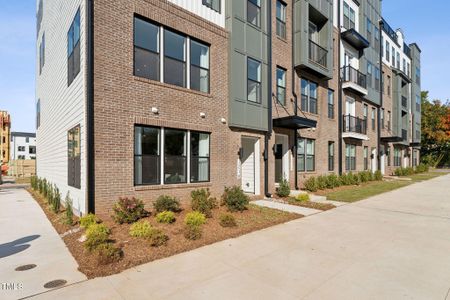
[435, 131]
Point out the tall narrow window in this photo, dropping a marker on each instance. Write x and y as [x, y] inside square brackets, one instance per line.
[349, 16]
[146, 50]
[366, 158]
[174, 58]
[73, 49]
[382, 117]
[305, 155]
[388, 51]
[301, 155]
[393, 56]
[309, 96]
[377, 79]
[389, 121]
[398, 60]
[147, 162]
[74, 157]
[200, 162]
[369, 30]
[373, 119]
[350, 157]
[389, 85]
[365, 111]
[254, 12]
[330, 156]
[330, 104]
[175, 154]
[213, 4]
[199, 67]
[417, 75]
[310, 155]
[38, 114]
[253, 80]
[42, 53]
[369, 74]
[281, 19]
[281, 86]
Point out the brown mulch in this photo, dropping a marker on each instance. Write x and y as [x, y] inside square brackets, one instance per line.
[311, 204]
[138, 251]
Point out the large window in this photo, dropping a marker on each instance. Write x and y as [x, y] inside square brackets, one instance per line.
[369, 30]
[309, 96]
[199, 67]
[73, 49]
[254, 12]
[349, 16]
[253, 80]
[369, 74]
[146, 50]
[366, 158]
[397, 157]
[42, 53]
[74, 157]
[281, 86]
[388, 51]
[147, 162]
[305, 155]
[174, 58]
[330, 156]
[330, 104]
[175, 156]
[199, 157]
[350, 157]
[213, 4]
[281, 19]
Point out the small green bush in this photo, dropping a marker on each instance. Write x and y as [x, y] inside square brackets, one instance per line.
[165, 217]
[56, 200]
[203, 202]
[45, 188]
[192, 232]
[284, 190]
[333, 181]
[235, 199]
[69, 210]
[88, 220]
[302, 197]
[355, 179]
[96, 235]
[107, 253]
[33, 182]
[140, 229]
[40, 185]
[346, 179]
[322, 182]
[157, 237]
[378, 175]
[195, 218]
[166, 203]
[128, 210]
[422, 168]
[227, 220]
[311, 184]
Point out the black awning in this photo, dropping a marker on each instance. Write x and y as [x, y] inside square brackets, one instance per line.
[391, 139]
[355, 39]
[294, 122]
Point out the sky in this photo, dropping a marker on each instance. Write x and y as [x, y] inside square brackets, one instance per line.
[425, 23]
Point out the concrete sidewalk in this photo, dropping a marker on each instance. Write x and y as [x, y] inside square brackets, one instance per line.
[391, 246]
[27, 237]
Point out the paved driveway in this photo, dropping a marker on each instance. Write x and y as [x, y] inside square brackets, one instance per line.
[27, 237]
[393, 246]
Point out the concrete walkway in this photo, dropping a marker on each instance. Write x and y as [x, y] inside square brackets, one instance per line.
[392, 246]
[287, 207]
[27, 237]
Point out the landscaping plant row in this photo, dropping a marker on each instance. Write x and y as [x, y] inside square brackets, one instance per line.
[422, 168]
[323, 182]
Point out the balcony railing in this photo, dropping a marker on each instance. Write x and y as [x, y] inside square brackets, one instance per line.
[404, 134]
[404, 102]
[355, 124]
[318, 54]
[350, 74]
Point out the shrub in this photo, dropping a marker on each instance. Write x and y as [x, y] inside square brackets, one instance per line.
[235, 199]
[192, 232]
[69, 210]
[311, 184]
[45, 188]
[422, 168]
[165, 217]
[96, 235]
[322, 182]
[157, 237]
[34, 183]
[378, 176]
[49, 195]
[302, 197]
[140, 229]
[88, 220]
[227, 220]
[284, 190]
[56, 200]
[203, 202]
[128, 210]
[166, 203]
[108, 253]
[40, 185]
[355, 179]
[195, 218]
[332, 181]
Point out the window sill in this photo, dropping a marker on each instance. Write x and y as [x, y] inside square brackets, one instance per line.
[284, 40]
[171, 86]
[172, 186]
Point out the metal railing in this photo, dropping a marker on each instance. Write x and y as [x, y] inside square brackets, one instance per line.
[355, 124]
[350, 74]
[318, 54]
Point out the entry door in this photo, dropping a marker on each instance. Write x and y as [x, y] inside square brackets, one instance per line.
[374, 159]
[383, 160]
[248, 165]
[278, 163]
[350, 106]
[281, 153]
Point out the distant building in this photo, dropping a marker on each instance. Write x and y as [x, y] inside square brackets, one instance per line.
[23, 145]
[5, 131]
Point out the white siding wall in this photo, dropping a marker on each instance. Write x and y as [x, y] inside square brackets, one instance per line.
[16, 142]
[397, 50]
[62, 107]
[196, 7]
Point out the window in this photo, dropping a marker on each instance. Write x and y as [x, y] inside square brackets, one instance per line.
[32, 149]
[213, 4]
[309, 96]
[305, 155]
[330, 104]
[365, 111]
[366, 158]
[330, 156]
[27, 140]
[418, 103]
[199, 67]
[147, 149]
[281, 86]
[200, 162]
[21, 148]
[281, 19]
[393, 56]
[388, 51]
[19, 157]
[369, 74]
[175, 156]
[404, 65]
[369, 30]
[38, 114]
[397, 157]
[349, 16]
[73, 49]
[377, 38]
[398, 60]
[382, 117]
[417, 75]
[174, 58]
[146, 50]
[253, 80]
[254, 12]
[377, 79]
[388, 156]
[389, 85]
[42, 53]
[373, 119]
[73, 156]
[389, 121]
[350, 157]
[408, 69]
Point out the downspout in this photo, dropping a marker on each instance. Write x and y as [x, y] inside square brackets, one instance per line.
[381, 96]
[295, 100]
[269, 104]
[340, 113]
[90, 109]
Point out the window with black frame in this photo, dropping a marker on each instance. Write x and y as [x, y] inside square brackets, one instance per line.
[199, 61]
[200, 161]
[366, 158]
[281, 19]
[213, 4]
[146, 50]
[73, 49]
[38, 113]
[175, 156]
[254, 12]
[147, 159]
[253, 80]
[330, 104]
[281, 86]
[174, 58]
[330, 156]
[350, 157]
[42, 53]
[305, 155]
[74, 157]
[309, 96]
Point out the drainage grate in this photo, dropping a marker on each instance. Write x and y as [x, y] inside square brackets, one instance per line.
[55, 283]
[26, 267]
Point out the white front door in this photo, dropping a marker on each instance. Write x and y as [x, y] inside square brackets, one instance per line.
[374, 159]
[383, 160]
[250, 165]
[281, 157]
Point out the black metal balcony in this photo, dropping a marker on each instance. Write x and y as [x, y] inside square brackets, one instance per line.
[404, 102]
[318, 54]
[404, 134]
[355, 124]
[350, 74]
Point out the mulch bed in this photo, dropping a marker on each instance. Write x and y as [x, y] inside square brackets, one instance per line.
[138, 251]
[311, 204]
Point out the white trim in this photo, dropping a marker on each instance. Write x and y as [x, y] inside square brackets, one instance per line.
[188, 156]
[162, 156]
[161, 54]
[187, 51]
